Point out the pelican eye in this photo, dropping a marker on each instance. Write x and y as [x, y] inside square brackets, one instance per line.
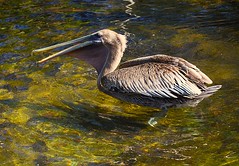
[96, 38]
[98, 35]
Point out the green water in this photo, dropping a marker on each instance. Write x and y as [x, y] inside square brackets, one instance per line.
[53, 114]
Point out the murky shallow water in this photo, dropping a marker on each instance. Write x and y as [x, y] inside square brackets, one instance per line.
[54, 115]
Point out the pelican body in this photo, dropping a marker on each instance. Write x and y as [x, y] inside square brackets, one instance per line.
[156, 81]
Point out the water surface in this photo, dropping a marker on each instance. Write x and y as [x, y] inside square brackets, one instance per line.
[53, 114]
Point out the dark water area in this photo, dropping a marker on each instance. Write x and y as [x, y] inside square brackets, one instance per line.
[53, 114]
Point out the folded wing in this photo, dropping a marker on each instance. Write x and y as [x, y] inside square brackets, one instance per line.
[157, 76]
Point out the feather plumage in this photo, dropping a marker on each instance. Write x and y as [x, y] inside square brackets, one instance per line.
[159, 76]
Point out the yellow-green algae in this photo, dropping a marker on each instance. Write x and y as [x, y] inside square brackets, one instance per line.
[5, 94]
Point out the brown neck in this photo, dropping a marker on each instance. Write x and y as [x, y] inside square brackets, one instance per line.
[113, 59]
[105, 59]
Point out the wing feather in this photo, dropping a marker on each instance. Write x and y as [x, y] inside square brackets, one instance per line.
[188, 68]
[152, 79]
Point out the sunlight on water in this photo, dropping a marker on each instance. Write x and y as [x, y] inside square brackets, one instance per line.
[53, 114]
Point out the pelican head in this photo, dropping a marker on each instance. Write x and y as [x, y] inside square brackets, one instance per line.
[103, 50]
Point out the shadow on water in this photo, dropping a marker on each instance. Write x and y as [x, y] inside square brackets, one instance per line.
[80, 118]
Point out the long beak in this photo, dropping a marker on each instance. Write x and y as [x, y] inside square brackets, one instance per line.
[87, 40]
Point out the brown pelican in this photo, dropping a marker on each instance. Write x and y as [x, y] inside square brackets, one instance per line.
[157, 81]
